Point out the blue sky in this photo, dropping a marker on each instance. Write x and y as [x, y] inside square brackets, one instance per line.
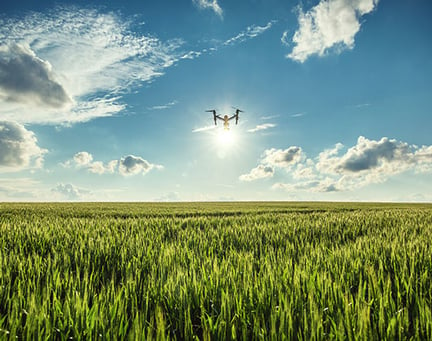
[105, 101]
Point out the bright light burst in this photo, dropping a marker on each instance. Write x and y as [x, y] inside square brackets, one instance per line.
[225, 138]
[226, 142]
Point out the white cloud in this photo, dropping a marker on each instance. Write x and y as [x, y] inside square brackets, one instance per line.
[325, 157]
[322, 185]
[305, 170]
[284, 39]
[384, 156]
[72, 65]
[209, 4]
[25, 78]
[131, 165]
[299, 114]
[282, 158]
[192, 54]
[250, 32]
[70, 192]
[163, 106]
[205, 128]
[75, 64]
[271, 159]
[423, 157]
[83, 158]
[18, 148]
[259, 172]
[127, 165]
[270, 117]
[367, 162]
[330, 24]
[424, 154]
[98, 167]
[262, 127]
[111, 166]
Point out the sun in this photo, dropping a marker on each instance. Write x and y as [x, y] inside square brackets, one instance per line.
[225, 138]
[225, 143]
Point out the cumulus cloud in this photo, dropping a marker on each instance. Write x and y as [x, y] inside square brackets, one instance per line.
[209, 4]
[264, 126]
[83, 158]
[423, 157]
[367, 162]
[98, 167]
[71, 65]
[305, 170]
[18, 148]
[383, 156]
[28, 79]
[259, 172]
[332, 24]
[131, 165]
[127, 165]
[70, 192]
[271, 159]
[282, 158]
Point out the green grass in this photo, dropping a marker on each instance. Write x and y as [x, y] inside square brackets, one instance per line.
[284, 271]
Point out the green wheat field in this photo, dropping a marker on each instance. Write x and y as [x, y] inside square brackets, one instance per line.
[216, 271]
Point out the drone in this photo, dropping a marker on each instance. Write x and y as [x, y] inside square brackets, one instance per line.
[225, 118]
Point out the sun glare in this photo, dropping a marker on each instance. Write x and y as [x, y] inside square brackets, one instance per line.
[226, 142]
[225, 138]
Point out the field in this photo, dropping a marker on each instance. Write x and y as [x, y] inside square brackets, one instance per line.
[305, 271]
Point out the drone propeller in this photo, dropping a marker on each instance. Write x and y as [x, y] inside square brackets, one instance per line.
[214, 115]
[237, 109]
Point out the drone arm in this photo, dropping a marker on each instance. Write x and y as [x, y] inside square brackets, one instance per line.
[237, 115]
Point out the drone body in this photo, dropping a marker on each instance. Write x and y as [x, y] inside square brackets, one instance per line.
[225, 118]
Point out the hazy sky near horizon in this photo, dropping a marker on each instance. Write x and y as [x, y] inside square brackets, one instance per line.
[105, 101]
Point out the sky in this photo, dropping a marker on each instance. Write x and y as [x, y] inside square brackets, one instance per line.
[107, 100]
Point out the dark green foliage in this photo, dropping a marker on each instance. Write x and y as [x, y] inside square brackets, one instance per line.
[283, 271]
